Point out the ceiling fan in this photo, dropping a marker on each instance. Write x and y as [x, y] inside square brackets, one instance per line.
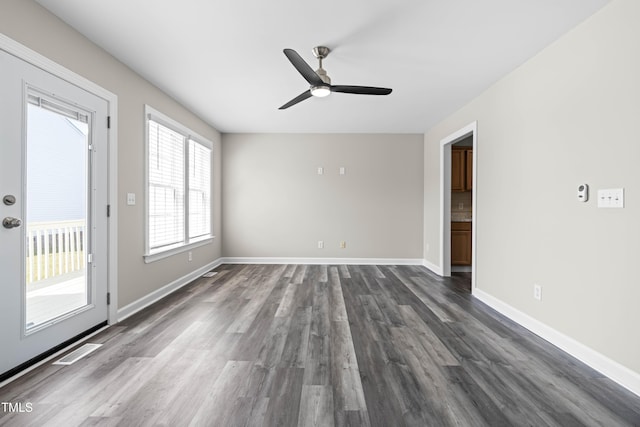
[319, 80]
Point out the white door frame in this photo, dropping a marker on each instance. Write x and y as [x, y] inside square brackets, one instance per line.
[445, 199]
[34, 58]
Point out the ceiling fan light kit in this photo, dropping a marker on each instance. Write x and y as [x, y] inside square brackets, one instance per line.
[320, 91]
[319, 80]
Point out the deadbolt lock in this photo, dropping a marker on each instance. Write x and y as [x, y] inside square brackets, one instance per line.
[9, 200]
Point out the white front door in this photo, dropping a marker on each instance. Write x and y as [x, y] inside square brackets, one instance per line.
[53, 191]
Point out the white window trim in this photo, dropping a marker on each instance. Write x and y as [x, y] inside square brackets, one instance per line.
[155, 115]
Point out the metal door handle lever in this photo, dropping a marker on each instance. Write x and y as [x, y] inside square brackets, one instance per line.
[10, 222]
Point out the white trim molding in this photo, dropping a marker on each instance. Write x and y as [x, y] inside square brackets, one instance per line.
[167, 289]
[445, 199]
[601, 363]
[431, 266]
[317, 261]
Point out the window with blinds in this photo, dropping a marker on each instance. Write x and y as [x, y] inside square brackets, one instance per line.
[199, 190]
[178, 186]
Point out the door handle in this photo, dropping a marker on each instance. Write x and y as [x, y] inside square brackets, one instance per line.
[10, 222]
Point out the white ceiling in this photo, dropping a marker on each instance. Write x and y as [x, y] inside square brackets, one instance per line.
[223, 59]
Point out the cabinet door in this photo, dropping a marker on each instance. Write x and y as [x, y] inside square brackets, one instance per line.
[460, 247]
[469, 169]
[457, 170]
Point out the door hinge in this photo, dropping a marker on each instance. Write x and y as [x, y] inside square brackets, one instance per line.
[108, 211]
[108, 122]
[108, 298]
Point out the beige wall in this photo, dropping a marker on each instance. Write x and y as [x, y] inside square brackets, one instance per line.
[568, 116]
[28, 23]
[276, 205]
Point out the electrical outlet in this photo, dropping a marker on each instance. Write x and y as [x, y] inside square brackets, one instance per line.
[190, 256]
[343, 244]
[537, 292]
[320, 244]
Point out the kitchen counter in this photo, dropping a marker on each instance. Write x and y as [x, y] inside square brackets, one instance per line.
[461, 217]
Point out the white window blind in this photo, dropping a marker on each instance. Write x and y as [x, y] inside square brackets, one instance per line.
[199, 190]
[166, 187]
[178, 186]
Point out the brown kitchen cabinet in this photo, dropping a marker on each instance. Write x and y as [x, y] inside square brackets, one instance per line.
[469, 170]
[461, 169]
[460, 243]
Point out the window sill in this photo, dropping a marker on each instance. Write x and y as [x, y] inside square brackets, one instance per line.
[149, 258]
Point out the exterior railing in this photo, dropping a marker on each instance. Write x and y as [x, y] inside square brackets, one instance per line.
[54, 248]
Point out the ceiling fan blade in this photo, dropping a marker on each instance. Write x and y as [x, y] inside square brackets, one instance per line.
[361, 90]
[304, 95]
[303, 68]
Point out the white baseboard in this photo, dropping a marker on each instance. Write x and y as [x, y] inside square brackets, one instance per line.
[156, 295]
[333, 261]
[608, 367]
[436, 269]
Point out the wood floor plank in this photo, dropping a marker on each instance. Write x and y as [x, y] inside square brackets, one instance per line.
[382, 407]
[345, 375]
[480, 409]
[317, 365]
[429, 341]
[165, 386]
[294, 353]
[336, 298]
[286, 304]
[189, 393]
[316, 406]
[218, 406]
[284, 400]
[325, 345]
[245, 318]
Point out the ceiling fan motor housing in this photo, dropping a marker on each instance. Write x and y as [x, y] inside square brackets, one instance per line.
[323, 75]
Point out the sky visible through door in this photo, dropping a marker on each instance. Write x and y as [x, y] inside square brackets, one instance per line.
[56, 215]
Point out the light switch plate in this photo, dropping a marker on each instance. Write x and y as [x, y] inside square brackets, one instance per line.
[131, 199]
[611, 198]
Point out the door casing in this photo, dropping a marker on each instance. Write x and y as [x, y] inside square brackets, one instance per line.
[445, 199]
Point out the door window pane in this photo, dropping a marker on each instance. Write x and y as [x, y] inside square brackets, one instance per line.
[56, 211]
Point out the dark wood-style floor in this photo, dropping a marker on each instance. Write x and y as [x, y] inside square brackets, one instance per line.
[287, 345]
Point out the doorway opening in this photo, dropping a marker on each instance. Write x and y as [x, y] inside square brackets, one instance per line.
[469, 150]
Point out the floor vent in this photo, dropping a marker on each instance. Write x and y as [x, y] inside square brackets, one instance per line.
[78, 354]
[210, 274]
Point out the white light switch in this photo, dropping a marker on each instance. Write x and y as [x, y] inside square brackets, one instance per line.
[611, 198]
[320, 170]
[131, 199]
[342, 170]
